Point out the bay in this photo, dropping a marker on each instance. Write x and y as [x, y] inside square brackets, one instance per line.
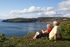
[20, 29]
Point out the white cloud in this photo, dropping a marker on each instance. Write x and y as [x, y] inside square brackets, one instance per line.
[64, 8]
[50, 11]
[33, 10]
[67, 15]
[50, 8]
[65, 5]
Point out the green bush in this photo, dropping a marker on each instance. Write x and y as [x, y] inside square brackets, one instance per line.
[65, 27]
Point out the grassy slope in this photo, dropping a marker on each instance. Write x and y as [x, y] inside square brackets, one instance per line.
[44, 42]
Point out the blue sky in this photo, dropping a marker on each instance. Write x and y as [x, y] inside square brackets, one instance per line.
[6, 6]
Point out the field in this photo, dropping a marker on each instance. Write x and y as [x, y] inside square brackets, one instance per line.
[26, 41]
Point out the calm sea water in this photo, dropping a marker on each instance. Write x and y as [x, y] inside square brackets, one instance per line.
[20, 29]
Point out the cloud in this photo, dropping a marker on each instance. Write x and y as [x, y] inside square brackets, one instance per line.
[50, 11]
[65, 5]
[64, 8]
[67, 15]
[33, 10]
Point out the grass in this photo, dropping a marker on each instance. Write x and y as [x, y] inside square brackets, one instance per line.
[26, 41]
[44, 42]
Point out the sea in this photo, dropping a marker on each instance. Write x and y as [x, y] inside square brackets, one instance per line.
[20, 29]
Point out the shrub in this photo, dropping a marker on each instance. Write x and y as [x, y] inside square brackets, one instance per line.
[65, 27]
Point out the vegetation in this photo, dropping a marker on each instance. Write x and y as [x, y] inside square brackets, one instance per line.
[26, 41]
[65, 27]
[20, 20]
[40, 19]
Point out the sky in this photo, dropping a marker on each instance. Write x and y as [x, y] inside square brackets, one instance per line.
[34, 8]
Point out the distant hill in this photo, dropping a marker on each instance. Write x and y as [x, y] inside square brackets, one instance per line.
[39, 19]
[45, 19]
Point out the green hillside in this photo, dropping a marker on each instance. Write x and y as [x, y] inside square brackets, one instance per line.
[40, 19]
